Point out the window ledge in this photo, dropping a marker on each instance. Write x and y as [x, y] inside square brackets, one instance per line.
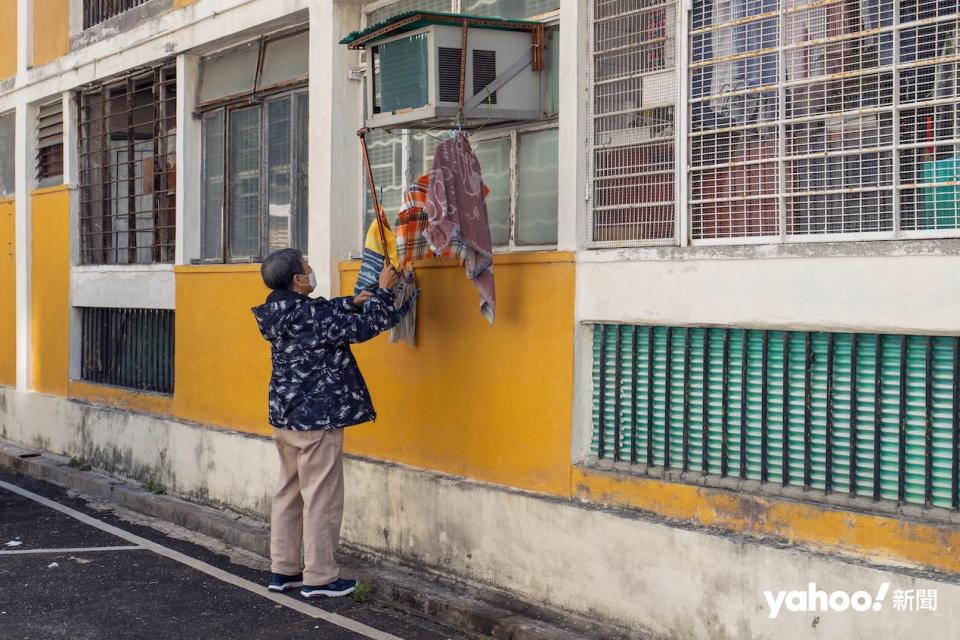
[122, 268]
[243, 267]
[525, 257]
[848, 249]
[119, 23]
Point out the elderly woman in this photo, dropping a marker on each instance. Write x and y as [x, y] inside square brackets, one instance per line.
[315, 390]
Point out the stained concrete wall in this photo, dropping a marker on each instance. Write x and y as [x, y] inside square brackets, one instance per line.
[643, 573]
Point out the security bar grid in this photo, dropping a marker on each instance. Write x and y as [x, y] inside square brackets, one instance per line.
[632, 122]
[128, 169]
[807, 120]
[130, 348]
[817, 118]
[868, 415]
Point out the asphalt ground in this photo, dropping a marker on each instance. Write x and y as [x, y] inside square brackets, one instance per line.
[69, 578]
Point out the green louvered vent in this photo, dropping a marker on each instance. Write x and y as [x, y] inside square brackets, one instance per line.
[862, 414]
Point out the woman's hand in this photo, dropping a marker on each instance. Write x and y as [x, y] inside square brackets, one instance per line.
[388, 276]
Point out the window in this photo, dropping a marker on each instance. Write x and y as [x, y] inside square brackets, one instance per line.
[128, 169]
[519, 165]
[130, 348]
[97, 11]
[813, 120]
[632, 122]
[520, 170]
[50, 144]
[255, 134]
[8, 165]
[510, 9]
[869, 415]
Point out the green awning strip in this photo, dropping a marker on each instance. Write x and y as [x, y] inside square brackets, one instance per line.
[412, 20]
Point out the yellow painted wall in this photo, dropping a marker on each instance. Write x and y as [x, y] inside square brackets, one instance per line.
[50, 292]
[490, 403]
[51, 30]
[222, 362]
[8, 295]
[8, 38]
[183, 3]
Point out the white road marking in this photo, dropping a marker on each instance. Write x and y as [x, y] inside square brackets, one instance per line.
[199, 565]
[24, 552]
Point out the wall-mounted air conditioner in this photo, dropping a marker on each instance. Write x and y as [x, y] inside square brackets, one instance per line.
[413, 78]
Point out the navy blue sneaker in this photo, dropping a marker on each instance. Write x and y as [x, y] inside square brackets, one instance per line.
[280, 582]
[339, 587]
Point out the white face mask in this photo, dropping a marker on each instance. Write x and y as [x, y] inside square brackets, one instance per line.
[313, 280]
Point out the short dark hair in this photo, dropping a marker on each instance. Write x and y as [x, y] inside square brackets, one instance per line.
[279, 267]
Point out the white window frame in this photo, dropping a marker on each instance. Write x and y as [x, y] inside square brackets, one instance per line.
[550, 20]
[682, 170]
[297, 209]
[513, 134]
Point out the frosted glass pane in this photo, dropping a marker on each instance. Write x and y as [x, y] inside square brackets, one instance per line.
[537, 199]
[423, 144]
[551, 71]
[245, 183]
[279, 174]
[286, 60]
[401, 73]
[386, 152]
[494, 157]
[229, 73]
[213, 167]
[514, 9]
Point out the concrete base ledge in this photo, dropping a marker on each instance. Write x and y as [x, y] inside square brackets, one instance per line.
[462, 606]
[631, 571]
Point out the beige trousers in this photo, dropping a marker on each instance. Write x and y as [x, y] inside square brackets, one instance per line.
[308, 506]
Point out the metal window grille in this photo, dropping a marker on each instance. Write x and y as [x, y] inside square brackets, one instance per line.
[128, 169]
[130, 348]
[97, 11]
[811, 118]
[50, 143]
[862, 414]
[632, 122]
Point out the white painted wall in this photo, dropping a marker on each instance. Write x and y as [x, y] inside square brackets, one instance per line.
[900, 288]
[639, 572]
[189, 146]
[572, 125]
[125, 287]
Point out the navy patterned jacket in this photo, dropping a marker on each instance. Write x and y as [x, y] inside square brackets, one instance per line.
[316, 383]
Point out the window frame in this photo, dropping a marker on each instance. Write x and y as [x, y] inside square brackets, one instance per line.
[297, 208]
[513, 132]
[260, 98]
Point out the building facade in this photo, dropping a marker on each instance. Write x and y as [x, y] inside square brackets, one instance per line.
[726, 358]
